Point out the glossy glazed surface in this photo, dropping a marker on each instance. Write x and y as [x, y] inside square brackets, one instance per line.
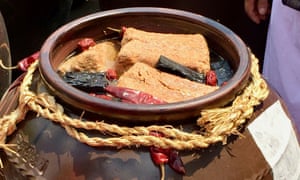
[222, 40]
[59, 156]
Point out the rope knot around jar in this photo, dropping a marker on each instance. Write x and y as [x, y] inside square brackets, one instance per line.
[218, 123]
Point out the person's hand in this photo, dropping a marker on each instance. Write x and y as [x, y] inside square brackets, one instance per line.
[257, 10]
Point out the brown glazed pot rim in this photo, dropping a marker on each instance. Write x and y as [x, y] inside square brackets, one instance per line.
[142, 113]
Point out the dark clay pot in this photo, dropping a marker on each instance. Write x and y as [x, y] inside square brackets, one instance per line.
[58, 156]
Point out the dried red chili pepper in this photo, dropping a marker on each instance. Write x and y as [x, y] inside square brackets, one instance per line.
[175, 162]
[111, 74]
[86, 43]
[131, 95]
[211, 78]
[161, 156]
[26, 62]
[123, 30]
[158, 156]
[23, 64]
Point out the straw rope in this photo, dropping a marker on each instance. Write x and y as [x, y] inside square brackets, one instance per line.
[219, 123]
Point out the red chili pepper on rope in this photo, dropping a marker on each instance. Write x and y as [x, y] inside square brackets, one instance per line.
[158, 156]
[162, 156]
[175, 162]
[23, 64]
[26, 62]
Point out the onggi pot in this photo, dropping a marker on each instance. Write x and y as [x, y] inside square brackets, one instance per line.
[62, 133]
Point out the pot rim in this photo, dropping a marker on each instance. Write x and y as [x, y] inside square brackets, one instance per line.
[55, 82]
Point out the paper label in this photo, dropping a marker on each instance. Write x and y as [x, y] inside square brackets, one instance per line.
[276, 139]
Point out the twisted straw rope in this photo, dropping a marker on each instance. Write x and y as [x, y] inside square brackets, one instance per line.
[218, 123]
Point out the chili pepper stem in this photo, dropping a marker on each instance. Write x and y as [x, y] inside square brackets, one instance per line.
[114, 29]
[7, 67]
[162, 171]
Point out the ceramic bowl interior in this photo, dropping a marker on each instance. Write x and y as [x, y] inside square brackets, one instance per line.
[220, 39]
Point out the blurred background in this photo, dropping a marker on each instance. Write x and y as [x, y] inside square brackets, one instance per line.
[30, 22]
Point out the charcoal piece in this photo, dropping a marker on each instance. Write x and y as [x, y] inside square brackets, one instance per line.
[89, 82]
[166, 65]
[221, 67]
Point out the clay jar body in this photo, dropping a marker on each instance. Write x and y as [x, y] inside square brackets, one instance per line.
[60, 156]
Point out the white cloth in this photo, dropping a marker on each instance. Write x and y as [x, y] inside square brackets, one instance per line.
[282, 57]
